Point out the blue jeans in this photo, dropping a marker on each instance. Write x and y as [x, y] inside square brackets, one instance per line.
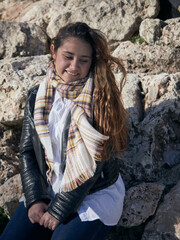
[20, 228]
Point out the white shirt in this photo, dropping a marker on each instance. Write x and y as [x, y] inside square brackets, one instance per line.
[106, 204]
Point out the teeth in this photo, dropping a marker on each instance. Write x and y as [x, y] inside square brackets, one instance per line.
[74, 74]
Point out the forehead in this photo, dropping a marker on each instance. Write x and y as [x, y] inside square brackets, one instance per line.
[76, 46]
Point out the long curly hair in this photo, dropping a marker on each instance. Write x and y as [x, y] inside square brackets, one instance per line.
[109, 112]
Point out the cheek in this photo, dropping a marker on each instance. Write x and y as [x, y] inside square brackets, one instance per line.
[60, 64]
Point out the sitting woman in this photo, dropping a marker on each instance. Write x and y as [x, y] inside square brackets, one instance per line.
[74, 124]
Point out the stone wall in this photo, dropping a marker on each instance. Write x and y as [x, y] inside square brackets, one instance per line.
[151, 165]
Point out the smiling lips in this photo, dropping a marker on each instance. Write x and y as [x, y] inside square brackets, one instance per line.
[71, 73]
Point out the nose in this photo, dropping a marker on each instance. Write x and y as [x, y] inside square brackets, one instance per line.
[74, 64]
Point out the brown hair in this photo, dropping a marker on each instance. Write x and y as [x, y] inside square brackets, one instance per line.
[109, 113]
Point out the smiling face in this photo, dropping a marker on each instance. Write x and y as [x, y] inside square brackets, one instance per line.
[72, 59]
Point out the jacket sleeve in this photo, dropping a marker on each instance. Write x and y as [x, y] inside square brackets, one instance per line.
[67, 203]
[34, 185]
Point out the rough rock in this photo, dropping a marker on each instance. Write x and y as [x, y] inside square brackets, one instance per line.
[140, 203]
[10, 194]
[131, 96]
[9, 152]
[161, 32]
[166, 223]
[151, 29]
[119, 28]
[152, 59]
[13, 9]
[101, 15]
[17, 76]
[160, 88]
[162, 56]
[22, 39]
[154, 148]
[171, 33]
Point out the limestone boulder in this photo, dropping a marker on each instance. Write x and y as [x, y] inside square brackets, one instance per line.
[160, 88]
[161, 54]
[141, 202]
[118, 19]
[161, 32]
[151, 29]
[166, 223]
[9, 152]
[12, 9]
[154, 150]
[171, 33]
[131, 97]
[142, 58]
[22, 39]
[10, 194]
[17, 76]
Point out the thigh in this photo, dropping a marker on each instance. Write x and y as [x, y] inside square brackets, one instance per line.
[75, 229]
[20, 227]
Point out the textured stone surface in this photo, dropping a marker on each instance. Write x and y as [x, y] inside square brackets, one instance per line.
[151, 29]
[10, 194]
[118, 19]
[131, 96]
[166, 223]
[17, 76]
[9, 152]
[22, 39]
[162, 56]
[148, 58]
[140, 203]
[171, 33]
[154, 148]
[161, 32]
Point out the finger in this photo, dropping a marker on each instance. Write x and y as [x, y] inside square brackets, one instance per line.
[46, 223]
[31, 220]
[54, 226]
[41, 222]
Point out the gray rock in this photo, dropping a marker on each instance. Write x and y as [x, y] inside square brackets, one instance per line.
[118, 19]
[22, 39]
[151, 29]
[166, 223]
[171, 33]
[140, 203]
[9, 152]
[17, 76]
[10, 194]
[152, 59]
[131, 96]
[158, 88]
[130, 14]
[154, 143]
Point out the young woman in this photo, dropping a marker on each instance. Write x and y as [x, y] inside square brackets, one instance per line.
[74, 124]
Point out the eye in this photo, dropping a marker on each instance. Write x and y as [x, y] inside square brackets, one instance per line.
[68, 57]
[83, 60]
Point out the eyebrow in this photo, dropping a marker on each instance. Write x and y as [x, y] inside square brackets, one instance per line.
[86, 56]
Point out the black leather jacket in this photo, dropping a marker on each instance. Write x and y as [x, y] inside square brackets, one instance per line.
[34, 167]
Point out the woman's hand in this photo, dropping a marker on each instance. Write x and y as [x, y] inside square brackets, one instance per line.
[48, 221]
[36, 211]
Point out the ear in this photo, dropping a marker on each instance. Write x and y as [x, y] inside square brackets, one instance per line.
[52, 51]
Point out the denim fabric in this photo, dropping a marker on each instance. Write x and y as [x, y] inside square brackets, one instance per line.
[20, 228]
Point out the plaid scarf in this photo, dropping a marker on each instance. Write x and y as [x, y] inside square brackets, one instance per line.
[85, 143]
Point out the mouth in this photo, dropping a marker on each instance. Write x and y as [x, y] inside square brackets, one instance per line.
[72, 73]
